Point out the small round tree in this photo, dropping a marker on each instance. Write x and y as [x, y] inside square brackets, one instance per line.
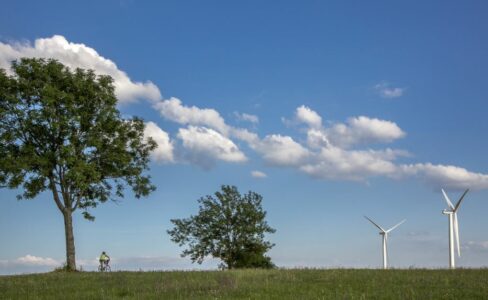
[229, 226]
[60, 131]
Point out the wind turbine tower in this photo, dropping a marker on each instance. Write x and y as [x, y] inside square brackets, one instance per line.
[384, 233]
[451, 212]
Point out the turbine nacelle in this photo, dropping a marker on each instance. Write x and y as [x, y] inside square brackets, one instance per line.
[384, 233]
[451, 212]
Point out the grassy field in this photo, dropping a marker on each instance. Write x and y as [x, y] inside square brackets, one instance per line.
[252, 284]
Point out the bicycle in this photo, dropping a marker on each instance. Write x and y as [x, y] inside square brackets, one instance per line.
[104, 266]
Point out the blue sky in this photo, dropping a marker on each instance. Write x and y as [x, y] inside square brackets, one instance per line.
[345, 108]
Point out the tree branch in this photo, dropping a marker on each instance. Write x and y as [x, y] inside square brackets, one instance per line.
[77, 203]
[52, 185]
[64, 193]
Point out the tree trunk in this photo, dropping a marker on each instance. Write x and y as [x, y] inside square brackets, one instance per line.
[70, 241]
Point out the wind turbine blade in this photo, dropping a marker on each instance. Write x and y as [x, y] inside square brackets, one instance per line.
[460, 200]
[379, 227]
[449, 203]
[456, 233]
[396, 226]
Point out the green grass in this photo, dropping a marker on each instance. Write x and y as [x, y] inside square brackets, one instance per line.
[252, 284]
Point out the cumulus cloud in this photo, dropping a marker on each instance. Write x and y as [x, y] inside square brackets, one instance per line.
[34, 264]
[37, 261]
[476, 245]
[359, 165]
[386, 91]
[281, 150]
[329, 156]
[363, 130]
[316, 138]
[305, 115]
[275, 149]
[76, 55]
[357, 130]
[447, 176]
[207, 138]
[258, 174]
[173, 110]
[28, 264]
[245, 135]
[247, 117]
[329, 152]
[164, 151]
[203, 146]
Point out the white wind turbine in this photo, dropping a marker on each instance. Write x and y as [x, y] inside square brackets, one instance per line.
[451, 212]
[384, 233]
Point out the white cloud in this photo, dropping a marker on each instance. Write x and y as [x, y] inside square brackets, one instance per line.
[37, 261]
[476, 245]
[76, 55]
[329, 157]
[336, 163]
[446, 176]
[281, 150]
[245, 135]
[164, 151]
[173, 110]
[360, 165]
[305, 115]
[34, 264]
[316, 138]
[258, 174]
[28, 264]
[208, 137]
[247, 117]
[363, 130]
[204, 145]
[386, 91]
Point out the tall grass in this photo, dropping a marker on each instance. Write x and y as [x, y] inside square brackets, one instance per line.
[252, 284]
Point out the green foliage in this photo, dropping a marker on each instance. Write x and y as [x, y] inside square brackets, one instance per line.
[229, 226]
[60, 130]
[252, 284]
[253, 257]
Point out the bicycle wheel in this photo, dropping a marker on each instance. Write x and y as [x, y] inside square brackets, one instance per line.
[100, 268]
[108, 269]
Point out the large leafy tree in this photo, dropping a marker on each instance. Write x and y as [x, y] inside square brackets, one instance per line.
[60, 131]
[229, 226]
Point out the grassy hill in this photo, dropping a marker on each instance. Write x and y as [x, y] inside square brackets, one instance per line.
[252, 284]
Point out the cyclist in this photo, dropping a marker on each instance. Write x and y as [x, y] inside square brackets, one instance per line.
[104, 260]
